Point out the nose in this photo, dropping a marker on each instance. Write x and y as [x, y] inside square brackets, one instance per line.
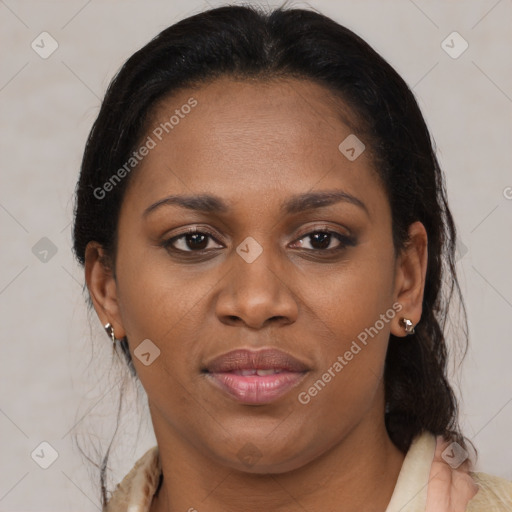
[256, 294]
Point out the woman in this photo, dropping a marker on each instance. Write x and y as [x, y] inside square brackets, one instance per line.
[265, 235]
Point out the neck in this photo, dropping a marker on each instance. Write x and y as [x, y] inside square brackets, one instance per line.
[359, 472]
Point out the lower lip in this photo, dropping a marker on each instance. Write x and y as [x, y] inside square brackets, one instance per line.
[253, 389]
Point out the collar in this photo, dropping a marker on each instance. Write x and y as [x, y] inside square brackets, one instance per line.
[410, 494]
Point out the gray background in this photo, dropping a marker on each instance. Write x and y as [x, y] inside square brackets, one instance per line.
[59, 379]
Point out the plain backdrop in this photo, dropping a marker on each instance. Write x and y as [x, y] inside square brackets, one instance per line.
[59, 382]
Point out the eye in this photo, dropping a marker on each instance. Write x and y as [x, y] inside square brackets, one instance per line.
[191, 241]
[200, 241]
[324, 240]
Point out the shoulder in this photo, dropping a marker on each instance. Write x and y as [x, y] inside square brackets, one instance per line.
[494, 494]
[135, 491]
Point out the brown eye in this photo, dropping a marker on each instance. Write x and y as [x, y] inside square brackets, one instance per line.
[324, 240]
[192, 241]
[321, 240]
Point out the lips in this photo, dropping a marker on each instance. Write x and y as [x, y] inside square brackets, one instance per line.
[268, 359]
[255, 378]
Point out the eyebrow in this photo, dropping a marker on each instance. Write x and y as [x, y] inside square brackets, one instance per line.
[213, 204]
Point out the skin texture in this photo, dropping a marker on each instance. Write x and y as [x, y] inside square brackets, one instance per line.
[255, 145]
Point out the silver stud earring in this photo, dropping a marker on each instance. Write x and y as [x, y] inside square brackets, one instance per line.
[407, 325]
[110, 332]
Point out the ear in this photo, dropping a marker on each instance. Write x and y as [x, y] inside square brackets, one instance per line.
[410, 277]
[100, 279]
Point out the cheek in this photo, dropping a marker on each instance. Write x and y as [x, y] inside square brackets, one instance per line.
[353, 297]
[165, 303]
[355, 309]
[351, 366]
[153, 294]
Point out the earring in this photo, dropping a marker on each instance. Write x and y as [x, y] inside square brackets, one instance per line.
[407, 325]
[110, 332]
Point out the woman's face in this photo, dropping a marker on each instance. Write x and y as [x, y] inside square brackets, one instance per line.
[262, 273]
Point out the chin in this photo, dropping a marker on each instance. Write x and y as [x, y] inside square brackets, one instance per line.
[262, 457]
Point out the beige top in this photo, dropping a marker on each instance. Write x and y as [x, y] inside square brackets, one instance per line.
[417, 477]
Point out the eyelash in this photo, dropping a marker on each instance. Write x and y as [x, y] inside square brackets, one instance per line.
[344, 240]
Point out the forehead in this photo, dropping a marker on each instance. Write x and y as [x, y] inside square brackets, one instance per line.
[276, 111]
[251, 136]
